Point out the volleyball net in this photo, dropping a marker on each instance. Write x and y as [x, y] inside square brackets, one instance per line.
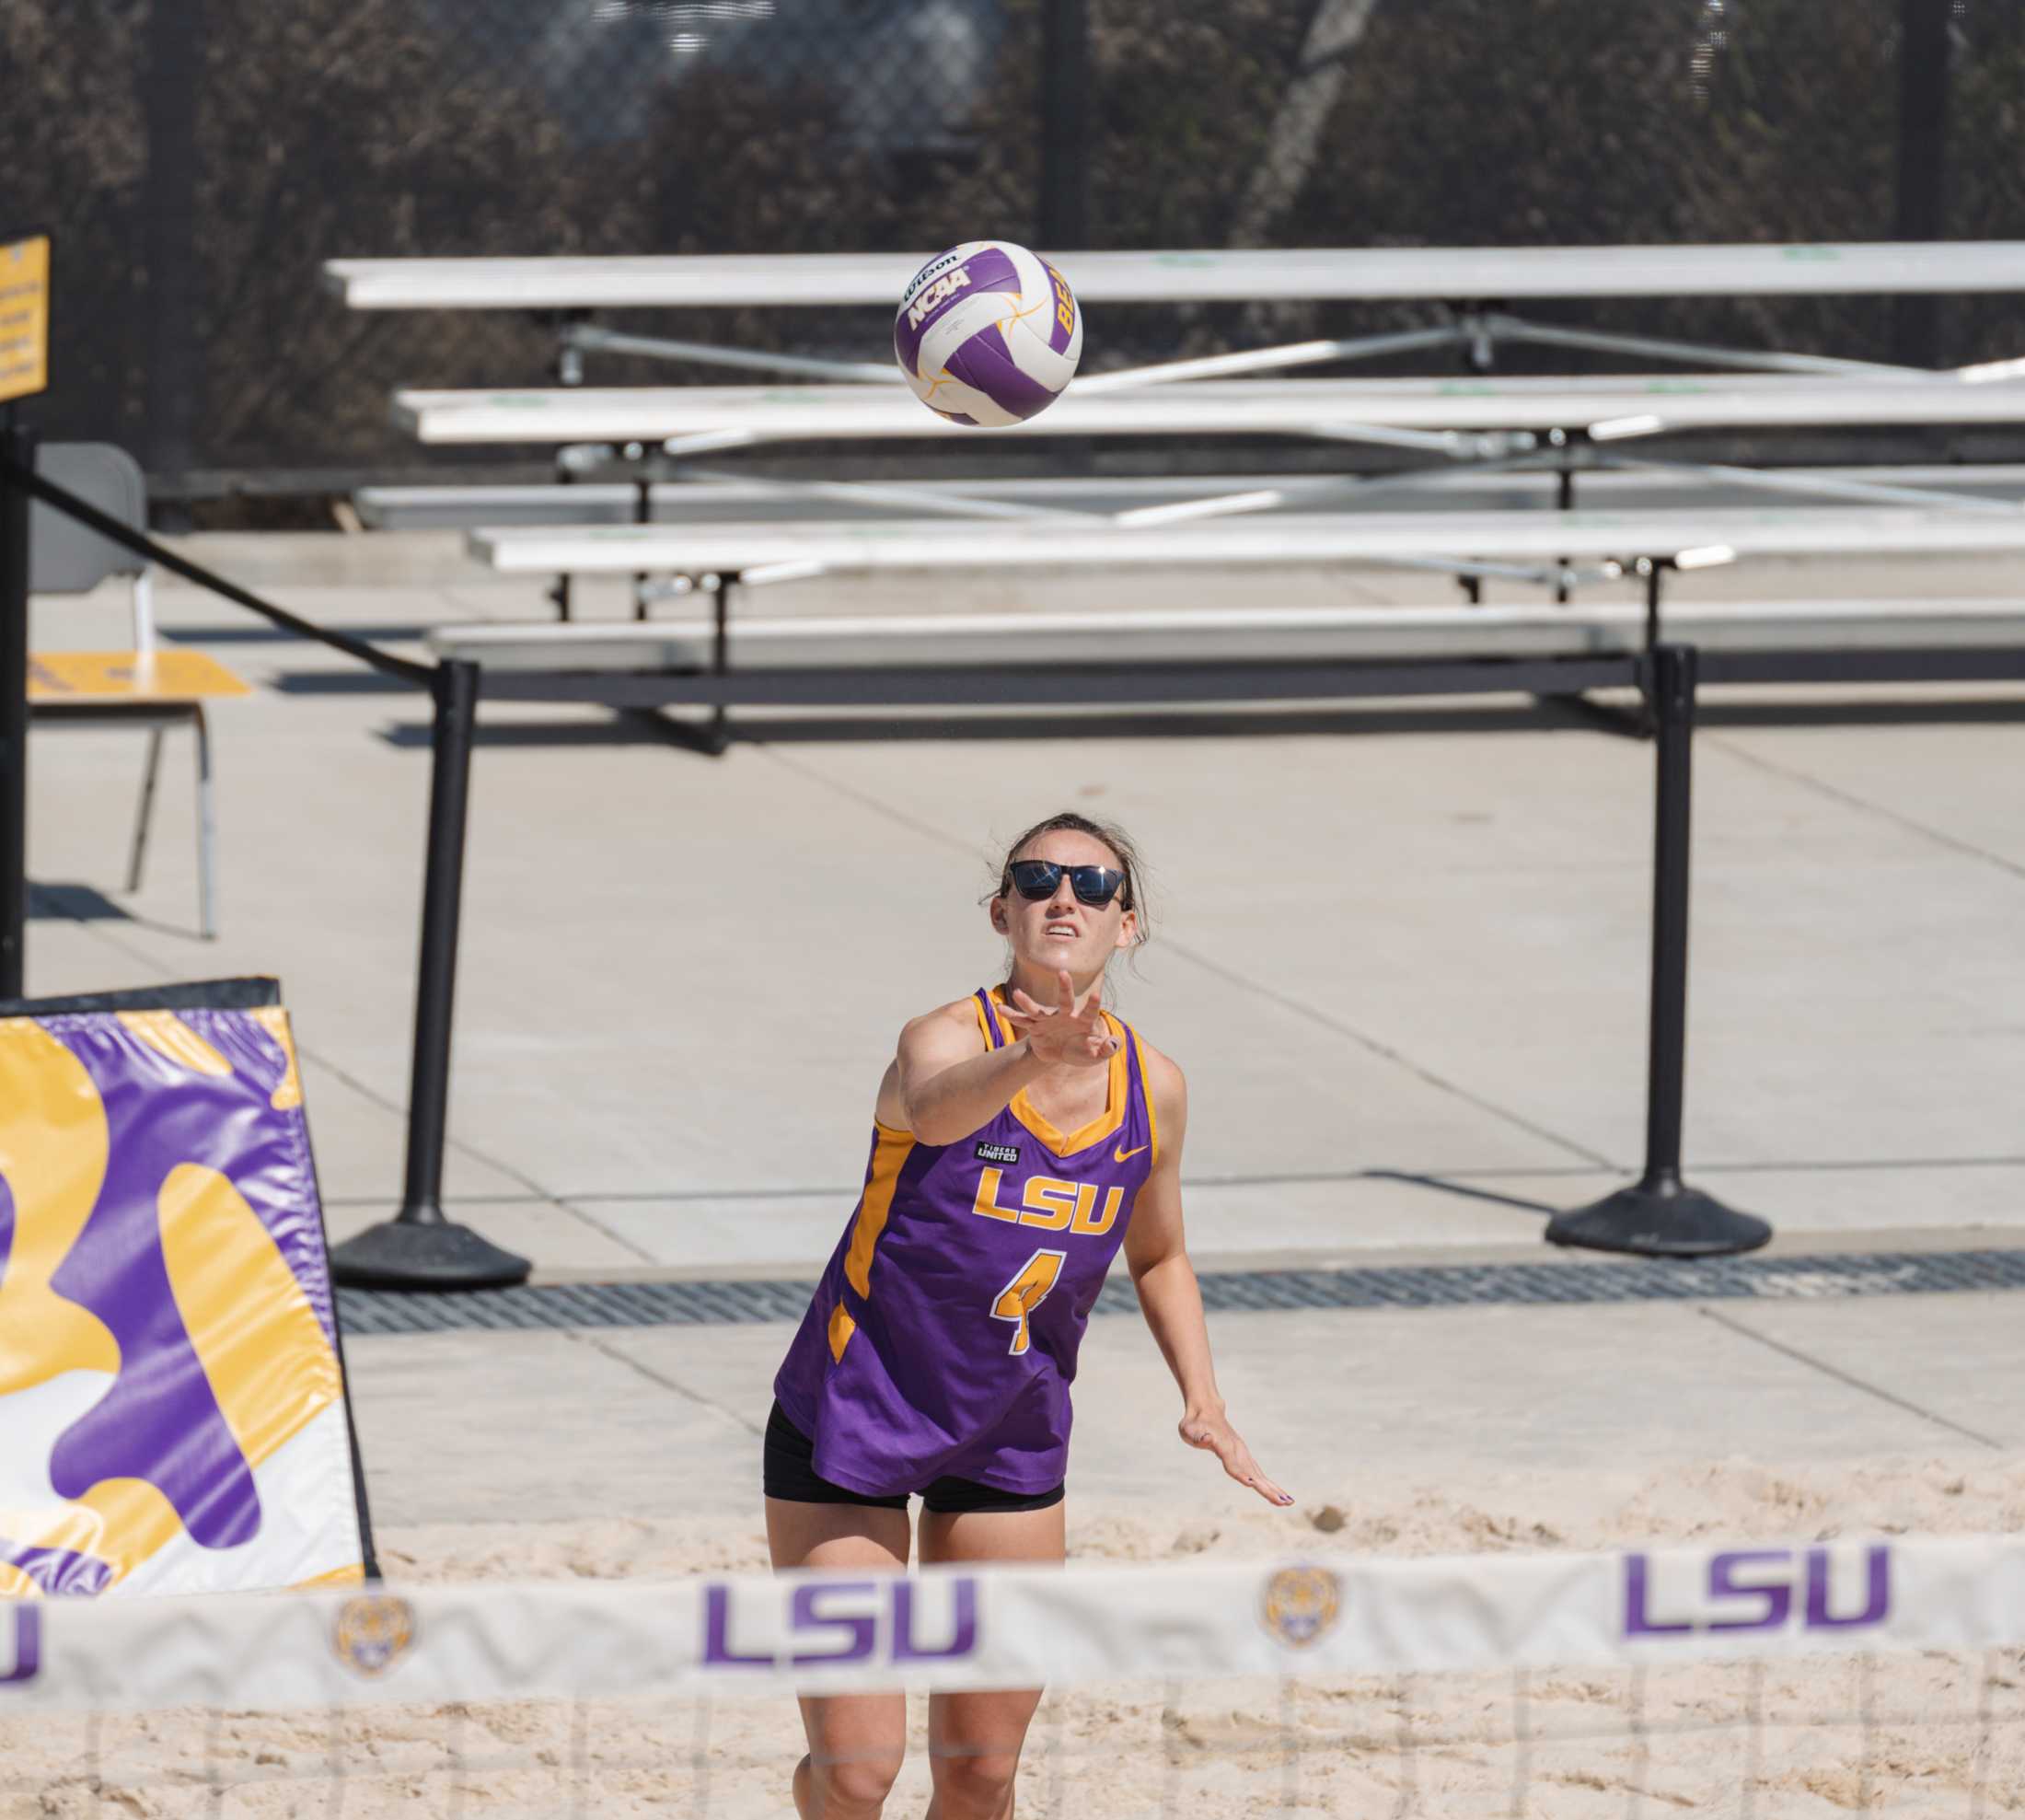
[1865, 1676]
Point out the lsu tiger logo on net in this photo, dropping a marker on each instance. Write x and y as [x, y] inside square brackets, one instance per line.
[1301, 1605]
[373, 1632]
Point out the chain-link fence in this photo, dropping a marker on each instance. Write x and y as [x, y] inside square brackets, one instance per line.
[199, 160]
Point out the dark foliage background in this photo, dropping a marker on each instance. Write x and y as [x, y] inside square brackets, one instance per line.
[232, 146]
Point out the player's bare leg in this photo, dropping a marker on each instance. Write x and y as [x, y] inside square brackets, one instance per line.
[855, 1741]
[975, 1739]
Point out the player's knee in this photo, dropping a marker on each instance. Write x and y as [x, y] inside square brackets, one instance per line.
[858, 1784]
[979, 1784]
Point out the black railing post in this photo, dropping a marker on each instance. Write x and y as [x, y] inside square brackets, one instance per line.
[17, 442]
[420, 1248]
[1661, 1216]
[442, 902]
[1671, 692]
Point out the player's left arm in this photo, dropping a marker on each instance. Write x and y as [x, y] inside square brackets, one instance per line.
[1169, 1297]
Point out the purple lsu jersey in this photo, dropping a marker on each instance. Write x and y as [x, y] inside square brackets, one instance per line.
[941, 1340]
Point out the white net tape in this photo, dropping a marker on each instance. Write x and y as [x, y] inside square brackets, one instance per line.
[1847, 1677]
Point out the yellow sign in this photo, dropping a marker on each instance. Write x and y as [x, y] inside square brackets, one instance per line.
[128, 675]
[24, 315]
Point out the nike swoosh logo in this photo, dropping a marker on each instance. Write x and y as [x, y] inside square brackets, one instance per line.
[1127, 1155]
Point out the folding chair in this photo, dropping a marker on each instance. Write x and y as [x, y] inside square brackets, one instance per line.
[67, 558]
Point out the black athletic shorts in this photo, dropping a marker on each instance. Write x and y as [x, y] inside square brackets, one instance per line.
[790, 1474]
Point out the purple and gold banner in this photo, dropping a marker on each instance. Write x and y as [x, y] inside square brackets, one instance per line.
[172, 1414]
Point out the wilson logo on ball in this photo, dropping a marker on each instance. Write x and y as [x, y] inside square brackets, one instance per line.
[940, 291]
[987, 333]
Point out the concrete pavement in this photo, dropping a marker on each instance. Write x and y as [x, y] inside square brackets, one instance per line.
[1422, 954]
[1407, 975]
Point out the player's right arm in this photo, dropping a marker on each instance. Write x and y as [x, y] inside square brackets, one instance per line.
[945, 1082]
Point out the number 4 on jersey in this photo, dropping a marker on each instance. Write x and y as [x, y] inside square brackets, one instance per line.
[1025, 1292]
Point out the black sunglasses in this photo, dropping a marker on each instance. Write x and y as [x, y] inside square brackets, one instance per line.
[1093, 884]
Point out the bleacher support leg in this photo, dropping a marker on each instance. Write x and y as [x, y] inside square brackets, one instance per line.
[420, 1248]
[17, 442]
[1563, 500]
[559, 591]
[719, 734]
[1653, 573]
[1661, 1216]
[642, 515]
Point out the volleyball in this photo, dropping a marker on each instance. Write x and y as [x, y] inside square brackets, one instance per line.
[987, 334]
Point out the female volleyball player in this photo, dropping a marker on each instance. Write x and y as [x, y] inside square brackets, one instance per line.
[1022, 1135]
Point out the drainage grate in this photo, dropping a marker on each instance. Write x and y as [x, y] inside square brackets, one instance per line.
[661, 1305]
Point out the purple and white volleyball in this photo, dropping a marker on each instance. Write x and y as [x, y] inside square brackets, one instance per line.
[987, 333]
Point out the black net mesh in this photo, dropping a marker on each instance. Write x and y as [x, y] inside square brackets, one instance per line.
[1933, 1735]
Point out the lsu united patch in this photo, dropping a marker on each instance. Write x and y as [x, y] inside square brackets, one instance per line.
[1301, 1605]
[373, 1632]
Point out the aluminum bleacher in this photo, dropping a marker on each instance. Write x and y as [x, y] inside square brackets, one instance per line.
[1508, 487]
[1518, 446]
[691, 418]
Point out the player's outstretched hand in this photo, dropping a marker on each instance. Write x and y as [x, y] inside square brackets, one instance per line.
[1214, 1434]
[1070, 1030]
